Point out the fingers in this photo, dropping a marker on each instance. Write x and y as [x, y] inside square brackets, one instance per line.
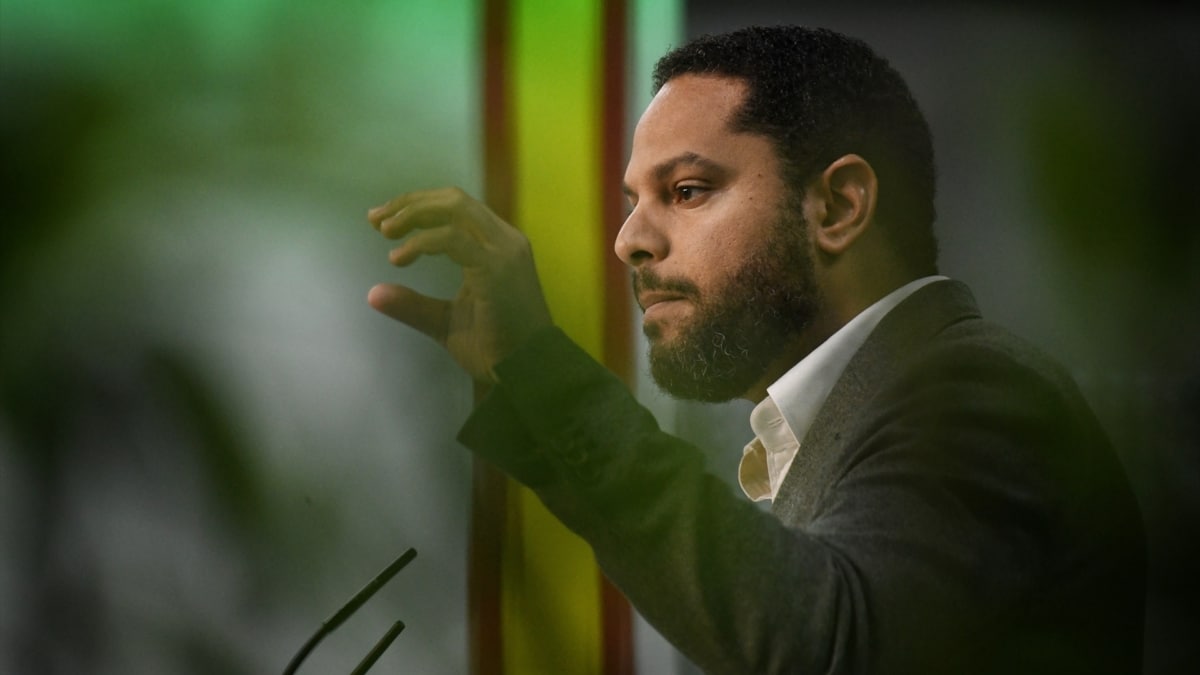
[388, 209]
[443, 221]
[451, 241]
[430, 209]
[427, 315]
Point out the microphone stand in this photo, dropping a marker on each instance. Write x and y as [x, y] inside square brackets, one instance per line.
[340, 616]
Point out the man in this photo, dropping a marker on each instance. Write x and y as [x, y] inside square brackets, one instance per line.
[943, 501]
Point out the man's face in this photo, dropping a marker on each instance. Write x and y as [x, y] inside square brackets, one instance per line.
[717, 243]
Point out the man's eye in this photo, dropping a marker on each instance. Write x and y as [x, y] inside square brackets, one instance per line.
[687, 193]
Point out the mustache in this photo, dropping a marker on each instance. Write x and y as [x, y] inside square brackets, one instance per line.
[648, 280]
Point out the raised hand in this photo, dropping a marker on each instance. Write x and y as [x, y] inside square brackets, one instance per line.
[500, 303]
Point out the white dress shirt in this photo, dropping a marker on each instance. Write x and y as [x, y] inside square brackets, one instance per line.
[782, 418]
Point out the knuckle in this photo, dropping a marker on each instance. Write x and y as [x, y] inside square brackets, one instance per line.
[519, 243]
[458, 196]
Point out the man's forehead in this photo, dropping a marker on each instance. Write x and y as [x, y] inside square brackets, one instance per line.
[688, 122]
[697, 94]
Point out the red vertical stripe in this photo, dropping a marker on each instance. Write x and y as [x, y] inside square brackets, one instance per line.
[618, 322]
[489, 485]
[617, 620]
[488, 498]
[499, 144]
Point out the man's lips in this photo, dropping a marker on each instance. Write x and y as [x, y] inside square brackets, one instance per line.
[651, 298]
[661, 297]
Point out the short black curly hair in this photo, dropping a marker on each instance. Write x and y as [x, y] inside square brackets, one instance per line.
[819, 95]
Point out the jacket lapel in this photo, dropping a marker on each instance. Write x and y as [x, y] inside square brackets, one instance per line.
[912, 323]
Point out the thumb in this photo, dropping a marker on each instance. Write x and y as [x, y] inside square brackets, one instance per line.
[426, 314]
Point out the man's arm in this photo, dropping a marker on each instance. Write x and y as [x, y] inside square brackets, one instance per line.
[686, 550]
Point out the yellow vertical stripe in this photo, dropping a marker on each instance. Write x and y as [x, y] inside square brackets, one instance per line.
[551, 598]
[558, 205]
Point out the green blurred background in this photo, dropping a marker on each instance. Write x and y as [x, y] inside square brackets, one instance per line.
[208, 440]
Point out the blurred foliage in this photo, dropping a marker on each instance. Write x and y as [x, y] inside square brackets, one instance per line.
[1112, 137]
[201, 452]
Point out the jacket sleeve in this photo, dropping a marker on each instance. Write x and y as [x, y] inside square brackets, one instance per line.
[673, 537]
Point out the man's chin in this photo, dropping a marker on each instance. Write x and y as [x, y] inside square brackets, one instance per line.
[665, 345]
[679, 373]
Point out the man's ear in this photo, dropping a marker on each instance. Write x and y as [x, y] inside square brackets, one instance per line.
[842, 204]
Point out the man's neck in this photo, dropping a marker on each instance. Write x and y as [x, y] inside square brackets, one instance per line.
[835, 313]
[819, 330]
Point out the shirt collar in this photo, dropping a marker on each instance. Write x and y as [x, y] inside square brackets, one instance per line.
[766, 459]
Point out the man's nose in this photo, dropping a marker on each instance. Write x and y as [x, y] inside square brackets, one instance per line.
[640, 241]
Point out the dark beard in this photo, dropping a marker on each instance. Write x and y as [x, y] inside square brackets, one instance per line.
[737, 332]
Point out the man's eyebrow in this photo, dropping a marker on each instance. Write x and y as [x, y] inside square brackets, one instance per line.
[664, 168]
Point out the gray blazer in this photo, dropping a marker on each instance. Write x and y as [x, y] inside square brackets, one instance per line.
[954, 508]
